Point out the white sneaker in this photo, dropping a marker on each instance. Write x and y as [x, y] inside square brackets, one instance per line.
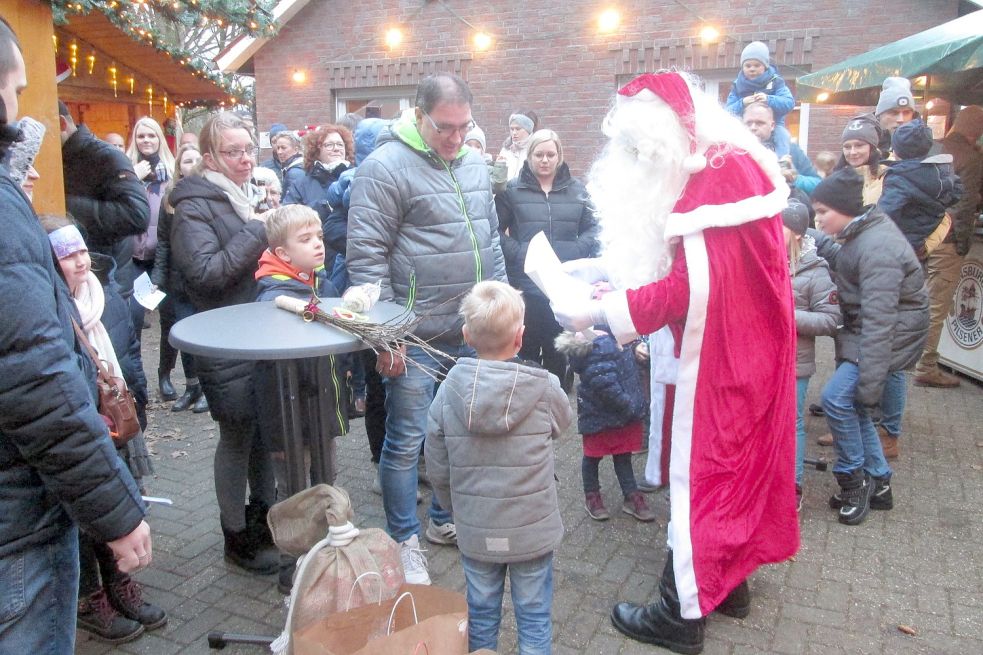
[445, 534]
[414, 562]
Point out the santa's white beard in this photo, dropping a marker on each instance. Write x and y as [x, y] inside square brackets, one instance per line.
[634, 195]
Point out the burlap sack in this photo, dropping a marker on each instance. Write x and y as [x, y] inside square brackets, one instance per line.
[316, 524]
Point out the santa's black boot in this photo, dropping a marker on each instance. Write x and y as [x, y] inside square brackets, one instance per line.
[661, 622]
[737, 605]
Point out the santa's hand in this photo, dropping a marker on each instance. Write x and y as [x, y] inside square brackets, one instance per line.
[589, 270]
[575, 316]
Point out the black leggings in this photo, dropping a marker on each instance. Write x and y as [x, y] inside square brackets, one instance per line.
[541, 331]
[375, 405]
[622, 468]
[97, 566]
[173, 309]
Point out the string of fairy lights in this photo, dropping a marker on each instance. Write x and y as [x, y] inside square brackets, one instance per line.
[131, 17]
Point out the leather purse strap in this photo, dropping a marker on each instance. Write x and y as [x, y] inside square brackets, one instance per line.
[101, 369]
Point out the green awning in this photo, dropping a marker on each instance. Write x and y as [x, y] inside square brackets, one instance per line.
[950, 56]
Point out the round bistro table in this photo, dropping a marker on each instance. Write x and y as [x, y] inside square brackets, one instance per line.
[262, 332]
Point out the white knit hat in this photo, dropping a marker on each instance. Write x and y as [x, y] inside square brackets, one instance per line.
[23, 152]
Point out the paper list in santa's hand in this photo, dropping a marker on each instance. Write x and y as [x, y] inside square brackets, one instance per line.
[544, 269]
[146, 293]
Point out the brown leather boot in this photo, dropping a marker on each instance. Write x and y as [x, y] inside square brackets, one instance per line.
[889, 443]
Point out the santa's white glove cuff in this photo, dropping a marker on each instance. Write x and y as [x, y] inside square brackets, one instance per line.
[589, 270]
[614, 307]
[579, 316]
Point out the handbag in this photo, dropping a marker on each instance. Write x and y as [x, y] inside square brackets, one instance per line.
[116, 403]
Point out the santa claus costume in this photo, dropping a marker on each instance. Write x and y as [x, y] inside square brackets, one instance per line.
[714, 271]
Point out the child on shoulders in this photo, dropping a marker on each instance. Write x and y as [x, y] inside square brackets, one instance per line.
[489, 453]
[759, 81]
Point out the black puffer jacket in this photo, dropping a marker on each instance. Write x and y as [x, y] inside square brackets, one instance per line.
[104, 195]
[312, 189]
[881, 290]
[57, 462]
[216, 253]
[565, 215]
[164, 274]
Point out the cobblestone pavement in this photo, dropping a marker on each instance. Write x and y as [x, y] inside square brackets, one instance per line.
[847, 591]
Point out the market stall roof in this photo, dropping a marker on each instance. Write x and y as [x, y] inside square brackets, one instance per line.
[949, 56]
[168, 74]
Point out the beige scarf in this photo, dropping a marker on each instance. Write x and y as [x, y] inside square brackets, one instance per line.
[91, 301]
[236, 194]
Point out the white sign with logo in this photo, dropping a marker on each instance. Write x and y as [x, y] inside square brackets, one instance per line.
[961, 345]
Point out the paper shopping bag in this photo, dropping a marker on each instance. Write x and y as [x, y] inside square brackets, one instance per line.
[352, 632]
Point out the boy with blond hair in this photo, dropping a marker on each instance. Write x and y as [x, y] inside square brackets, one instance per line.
[490, 460]
[293, 265]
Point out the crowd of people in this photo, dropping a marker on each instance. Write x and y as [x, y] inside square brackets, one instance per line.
[692, 209]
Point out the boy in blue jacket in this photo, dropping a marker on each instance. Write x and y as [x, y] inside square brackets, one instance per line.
[919, 189]
[759, 81]
[294, 266]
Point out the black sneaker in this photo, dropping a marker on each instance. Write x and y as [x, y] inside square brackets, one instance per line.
[881, 498]
[97, 617]
[855, 492]
[816, 410]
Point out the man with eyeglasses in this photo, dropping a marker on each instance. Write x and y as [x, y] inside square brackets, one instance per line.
[422, 222]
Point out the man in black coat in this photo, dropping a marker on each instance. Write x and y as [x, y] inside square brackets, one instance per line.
[103, 195]
[58, 467]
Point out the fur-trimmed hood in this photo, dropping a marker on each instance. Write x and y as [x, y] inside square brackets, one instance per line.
[573, 344]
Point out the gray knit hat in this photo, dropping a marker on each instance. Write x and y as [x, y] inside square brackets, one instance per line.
[863, 128]
[895, 92]
[23, 152]
[476, 134]
[755, 50]
[522, 121]
[796, 217]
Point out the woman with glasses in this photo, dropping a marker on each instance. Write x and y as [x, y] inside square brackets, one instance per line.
[216, 241]
[544, 198]
[328, 152]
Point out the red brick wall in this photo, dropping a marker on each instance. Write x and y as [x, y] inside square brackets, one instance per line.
[549, 56]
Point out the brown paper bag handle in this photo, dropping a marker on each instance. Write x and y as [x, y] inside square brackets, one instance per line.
[392, 614]
[417, 649]
[351, 594]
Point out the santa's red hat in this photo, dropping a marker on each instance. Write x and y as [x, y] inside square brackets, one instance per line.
[672, 89]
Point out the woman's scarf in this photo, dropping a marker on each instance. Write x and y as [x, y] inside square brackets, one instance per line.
[91, 301]
[158, 173]
[237, 195]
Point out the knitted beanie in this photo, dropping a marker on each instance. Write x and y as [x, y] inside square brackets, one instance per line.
[755, 50]
[842, 190]
[862, 128]
[23, 152]
[895, 92]
[476, 134]
[796, 217]
[522, 121]
[912, 140]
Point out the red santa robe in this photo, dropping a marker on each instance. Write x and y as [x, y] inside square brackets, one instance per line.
[728, 302]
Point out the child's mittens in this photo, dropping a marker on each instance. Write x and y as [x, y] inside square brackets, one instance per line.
[361, 298]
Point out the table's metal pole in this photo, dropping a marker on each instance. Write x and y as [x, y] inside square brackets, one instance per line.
[323, 446]
[293, 437]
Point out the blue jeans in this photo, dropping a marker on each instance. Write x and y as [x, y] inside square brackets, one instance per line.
[893, 402]
[408, 399]
[801, 387]
[854, 435]
[532, 598]
[39, 597]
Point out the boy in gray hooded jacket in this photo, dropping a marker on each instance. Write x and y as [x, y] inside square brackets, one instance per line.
[490, 457]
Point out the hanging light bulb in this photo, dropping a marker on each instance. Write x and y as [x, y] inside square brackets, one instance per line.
[163, 103]
[112, 79]
[91, 60]
[394, 36]
[709, 34]
[132, 82]
[482, 41]
[609, 20]
[74, 59]
[150, 99]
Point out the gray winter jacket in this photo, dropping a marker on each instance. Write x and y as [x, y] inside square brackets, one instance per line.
[882, 296]
[817, 311]
[490, 457]
[426, 229]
